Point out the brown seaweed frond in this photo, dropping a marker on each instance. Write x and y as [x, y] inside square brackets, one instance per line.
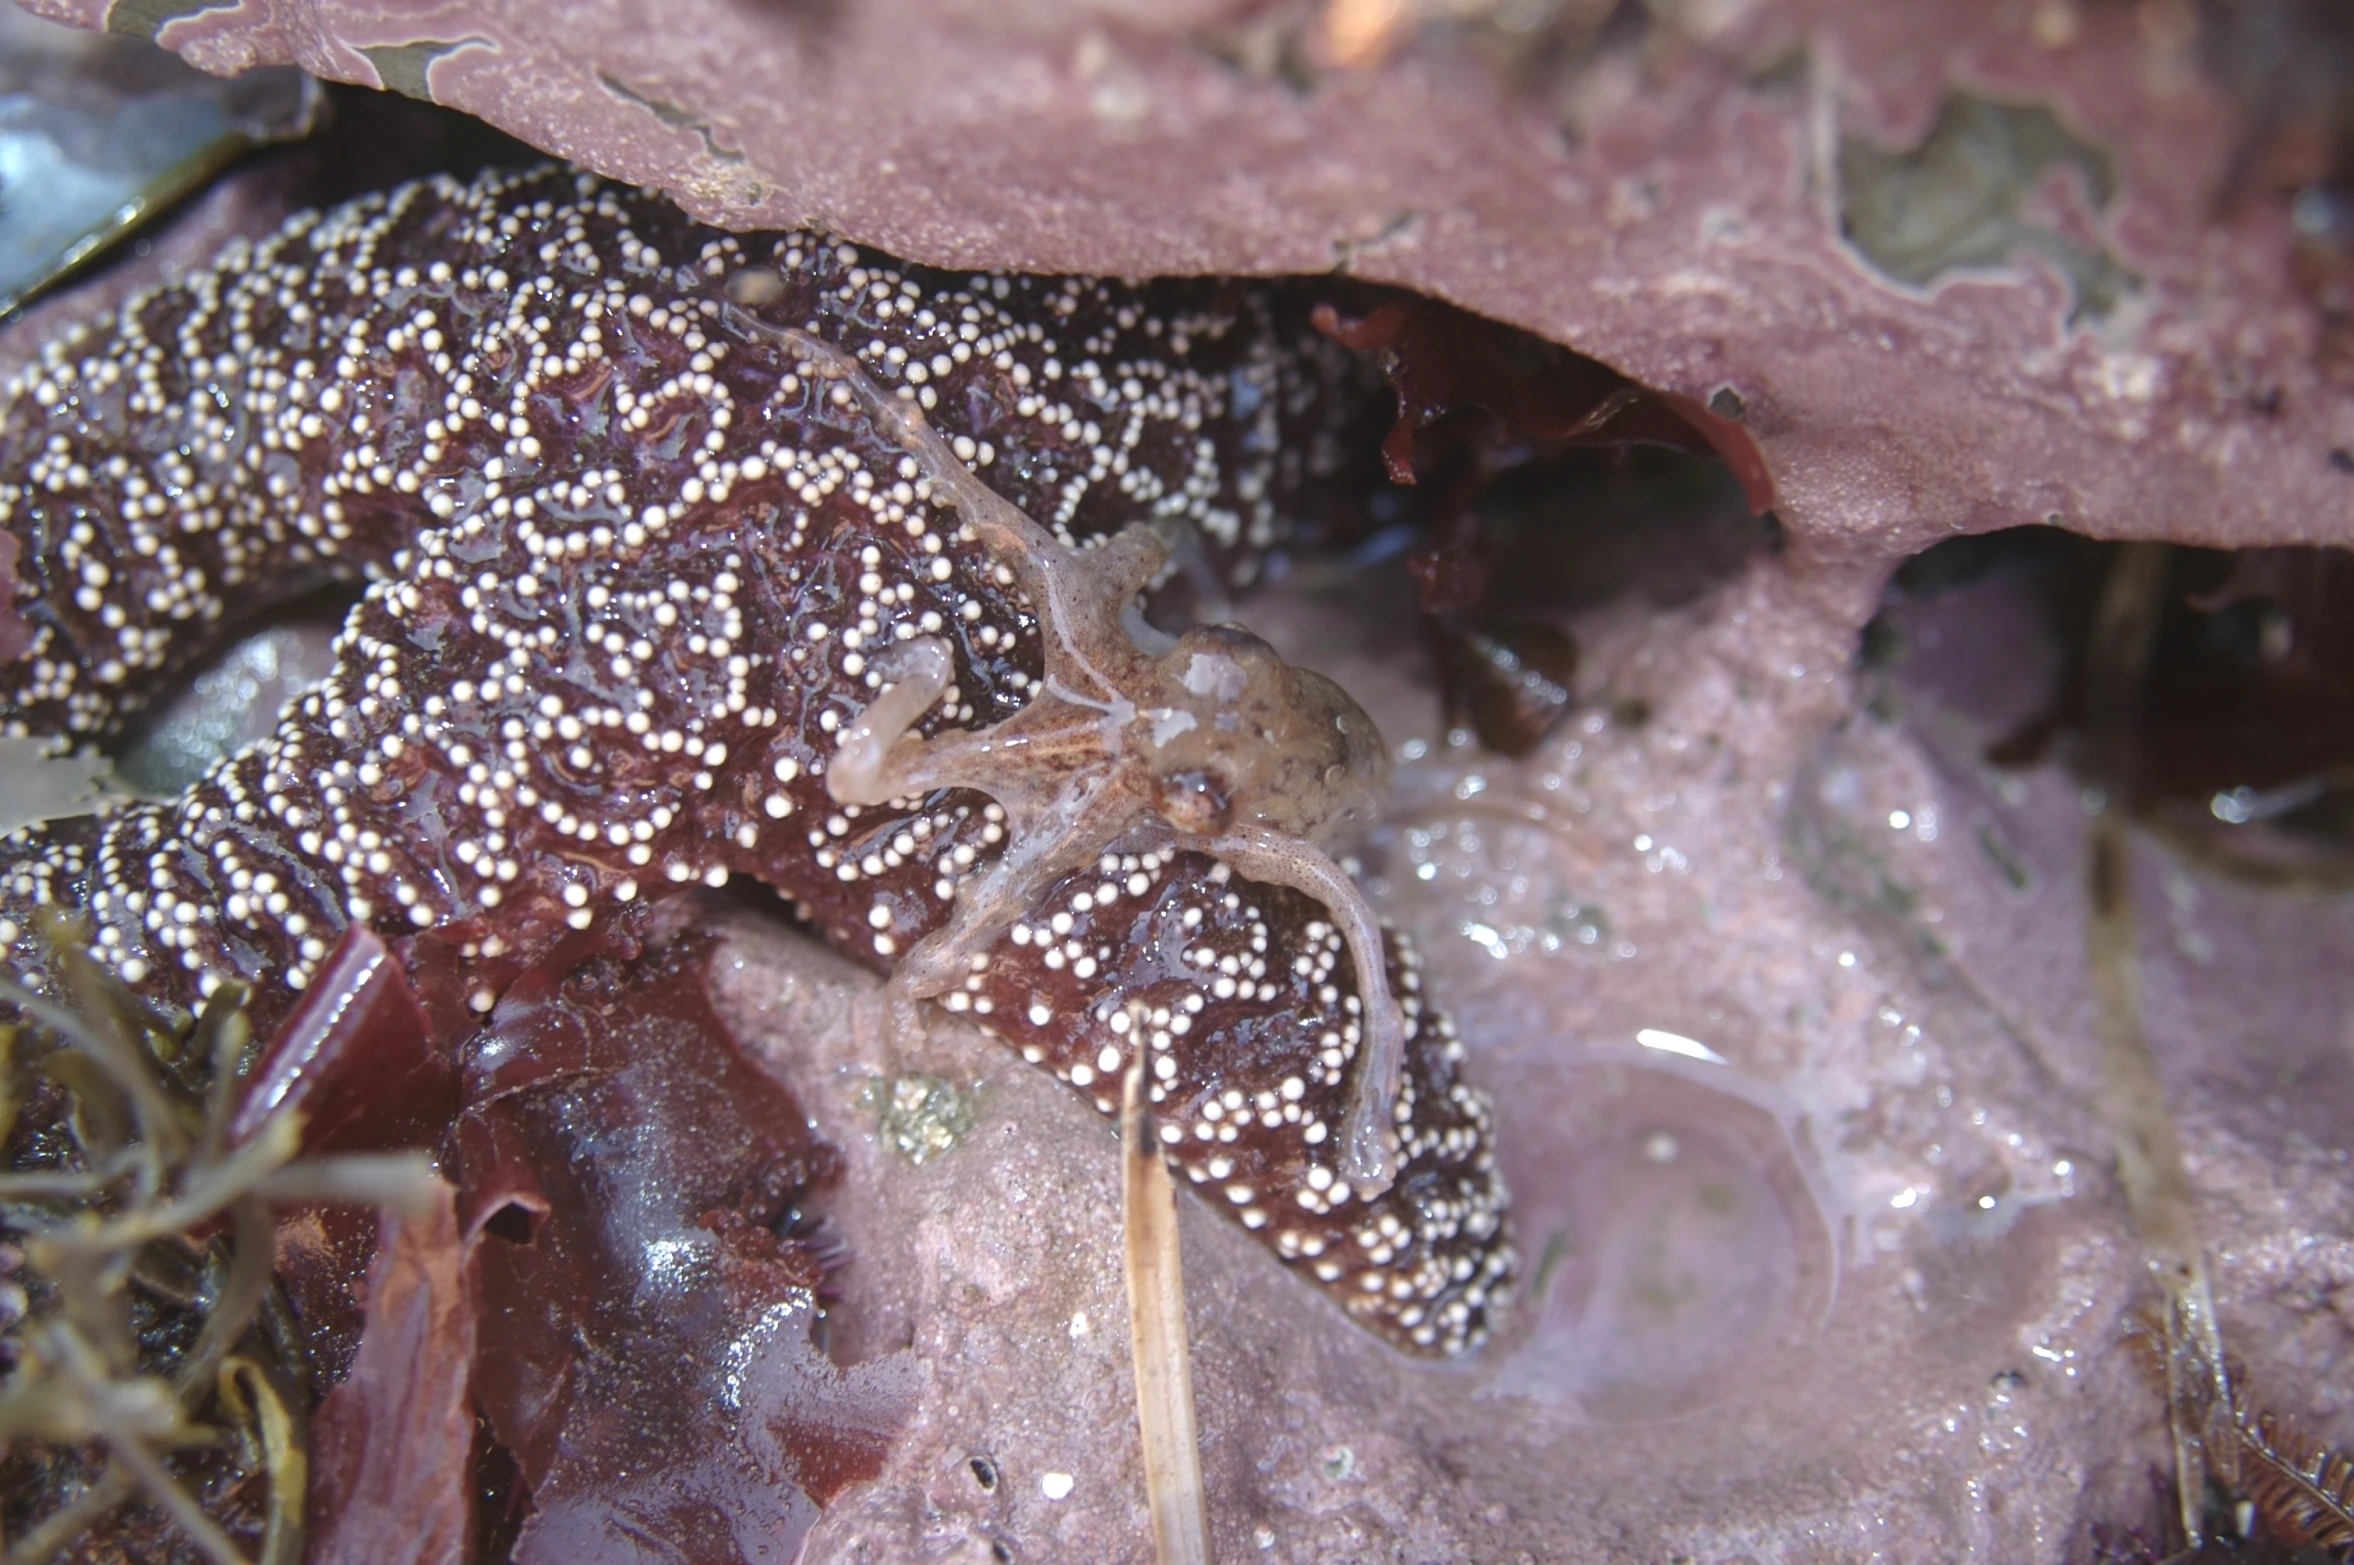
[2302, 1487]
[129, 1202]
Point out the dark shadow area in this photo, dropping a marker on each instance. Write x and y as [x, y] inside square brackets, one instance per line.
[2242, 729]
[1494, 567]
[1590, 527]
[233, 697]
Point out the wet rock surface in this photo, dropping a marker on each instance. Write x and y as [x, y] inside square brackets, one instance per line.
[1794, 1087]
[1778, 983]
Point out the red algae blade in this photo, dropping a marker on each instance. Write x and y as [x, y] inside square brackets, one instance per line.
[392, 1444]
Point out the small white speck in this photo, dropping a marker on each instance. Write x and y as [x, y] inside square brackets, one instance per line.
[1056, 1486]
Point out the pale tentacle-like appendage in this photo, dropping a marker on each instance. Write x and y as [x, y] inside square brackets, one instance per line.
[1214, 745]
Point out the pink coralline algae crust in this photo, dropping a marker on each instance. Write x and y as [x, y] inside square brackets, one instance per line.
[636, 563]
[1676, 213]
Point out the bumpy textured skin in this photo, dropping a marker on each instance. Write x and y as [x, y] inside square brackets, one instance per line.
[627, 570]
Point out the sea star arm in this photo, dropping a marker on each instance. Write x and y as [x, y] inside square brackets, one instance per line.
[1079, 595]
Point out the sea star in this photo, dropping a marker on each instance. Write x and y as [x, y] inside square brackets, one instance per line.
[634, 576]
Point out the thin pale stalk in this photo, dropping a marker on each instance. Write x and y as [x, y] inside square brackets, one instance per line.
[2157, 1192]
[210, 1189]
[401, 1181]
[223, 1025]
[127, 1446]
[248, 1390]
[1156, 1332]
[250, 1272]
[57, 1531]
[157, 1118]
[50, 1187]
[132, 1048]
[2133, 1101]
[165, 1491]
